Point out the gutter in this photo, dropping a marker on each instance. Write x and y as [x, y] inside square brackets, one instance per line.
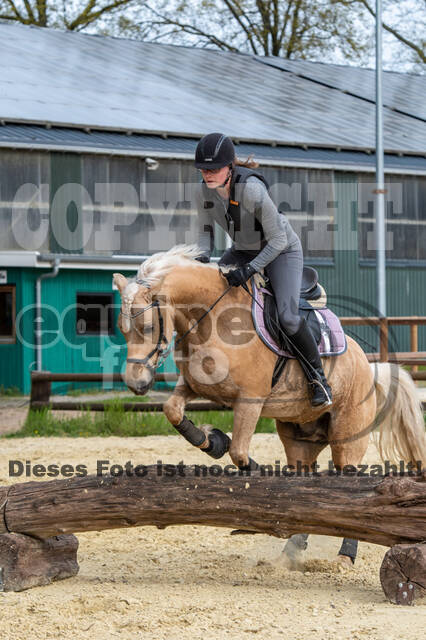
[38, 319]
[264, 161]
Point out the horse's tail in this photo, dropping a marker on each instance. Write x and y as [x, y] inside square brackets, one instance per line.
[399, 415]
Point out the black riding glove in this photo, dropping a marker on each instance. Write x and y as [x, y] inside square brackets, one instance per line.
[203, 259]
[239, 276]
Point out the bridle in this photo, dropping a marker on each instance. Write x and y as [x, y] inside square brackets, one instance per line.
[163, 352]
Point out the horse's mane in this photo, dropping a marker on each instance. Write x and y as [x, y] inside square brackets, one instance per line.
[156, 267]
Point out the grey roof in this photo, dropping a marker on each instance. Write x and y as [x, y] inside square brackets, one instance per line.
[22, 136]
[402, 92]
[72, 79]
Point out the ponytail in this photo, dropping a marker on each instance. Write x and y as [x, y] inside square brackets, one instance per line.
[250, 163]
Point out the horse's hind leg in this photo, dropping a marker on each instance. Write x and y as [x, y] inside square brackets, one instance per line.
[246, 415]
[349, 448]
[306, 453]
[348, 453]
[292, 556]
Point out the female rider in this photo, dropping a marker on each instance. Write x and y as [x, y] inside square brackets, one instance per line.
[236, 197]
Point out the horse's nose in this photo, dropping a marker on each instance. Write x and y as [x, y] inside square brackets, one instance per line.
[139, 387]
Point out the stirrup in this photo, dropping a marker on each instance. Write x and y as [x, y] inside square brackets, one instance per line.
[327, 401]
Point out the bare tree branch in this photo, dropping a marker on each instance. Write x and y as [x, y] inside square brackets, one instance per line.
[31, 16]
[409, 43]
[17, 15]
[254, 31]
[294, 26]
[86, 17]
[267, 30]
[192, 29]
[285, 22]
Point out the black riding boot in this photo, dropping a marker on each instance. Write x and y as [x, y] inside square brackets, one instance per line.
[305, 343]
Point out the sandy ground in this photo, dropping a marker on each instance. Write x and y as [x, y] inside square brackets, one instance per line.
[198, 582]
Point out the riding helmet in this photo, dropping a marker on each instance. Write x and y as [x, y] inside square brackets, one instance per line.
[214, 151]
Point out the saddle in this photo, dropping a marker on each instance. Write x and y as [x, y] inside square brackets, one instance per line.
[324, 324]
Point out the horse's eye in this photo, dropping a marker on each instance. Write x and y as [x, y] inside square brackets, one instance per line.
[148, 329]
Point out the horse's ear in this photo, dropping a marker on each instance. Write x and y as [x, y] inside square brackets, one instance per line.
[120, 281]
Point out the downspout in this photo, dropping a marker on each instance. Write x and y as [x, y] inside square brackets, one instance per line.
[38, 319]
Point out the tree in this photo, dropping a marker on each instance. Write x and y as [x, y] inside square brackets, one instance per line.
[74, 16]
[328, 30]
[411, 15]
[290, 29]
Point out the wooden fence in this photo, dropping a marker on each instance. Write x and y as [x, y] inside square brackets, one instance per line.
[41, 380]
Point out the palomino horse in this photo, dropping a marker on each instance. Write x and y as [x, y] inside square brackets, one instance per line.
[224, 360]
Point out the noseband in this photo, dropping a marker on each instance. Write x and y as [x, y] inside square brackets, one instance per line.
[163, 352]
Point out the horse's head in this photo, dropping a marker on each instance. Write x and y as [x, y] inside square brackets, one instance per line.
[146, 323]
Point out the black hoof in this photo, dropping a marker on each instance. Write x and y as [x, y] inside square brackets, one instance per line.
[219, 444]
[251, 466]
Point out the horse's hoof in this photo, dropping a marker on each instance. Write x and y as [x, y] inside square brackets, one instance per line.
[344, 562]
[292, 557]
[292, 562]
[219, 443]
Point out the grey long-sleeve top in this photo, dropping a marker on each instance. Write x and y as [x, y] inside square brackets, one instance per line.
[255, 204]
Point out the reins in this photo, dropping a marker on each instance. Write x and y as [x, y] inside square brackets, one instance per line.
[164, 352]
[204, 315]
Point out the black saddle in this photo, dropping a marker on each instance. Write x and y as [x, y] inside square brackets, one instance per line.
[310, 290]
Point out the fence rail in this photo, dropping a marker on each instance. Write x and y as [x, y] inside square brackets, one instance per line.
[41, 380]
[413, 357]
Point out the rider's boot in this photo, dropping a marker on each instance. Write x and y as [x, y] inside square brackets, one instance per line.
[305, 344]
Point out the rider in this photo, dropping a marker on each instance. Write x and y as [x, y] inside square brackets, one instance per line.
[265, 239]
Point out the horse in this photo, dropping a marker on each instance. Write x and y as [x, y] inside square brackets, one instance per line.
[220, 357]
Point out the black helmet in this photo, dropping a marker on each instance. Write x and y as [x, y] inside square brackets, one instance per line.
[214, 151]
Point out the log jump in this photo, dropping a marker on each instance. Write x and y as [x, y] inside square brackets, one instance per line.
[37, 519]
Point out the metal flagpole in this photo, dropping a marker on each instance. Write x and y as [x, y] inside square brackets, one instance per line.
[380, 182]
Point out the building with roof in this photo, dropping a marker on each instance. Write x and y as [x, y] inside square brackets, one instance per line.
[97, 137]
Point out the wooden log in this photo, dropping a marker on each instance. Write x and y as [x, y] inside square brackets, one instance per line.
[387, 511]
[27, 562]
[403, 573]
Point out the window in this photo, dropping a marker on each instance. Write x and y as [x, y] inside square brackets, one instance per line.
[95, 314]
[306, 197]
[405, 217]
[7, 314]
[24, 202]
[137, 211]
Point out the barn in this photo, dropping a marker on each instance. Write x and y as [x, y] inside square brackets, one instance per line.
[97, 136]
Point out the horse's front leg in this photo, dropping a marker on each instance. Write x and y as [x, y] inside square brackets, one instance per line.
[174, 407]
[213, 441]
[246, 415]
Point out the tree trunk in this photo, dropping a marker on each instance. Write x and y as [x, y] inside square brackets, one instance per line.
[26, 562]
[403, 573]
[385, 511]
